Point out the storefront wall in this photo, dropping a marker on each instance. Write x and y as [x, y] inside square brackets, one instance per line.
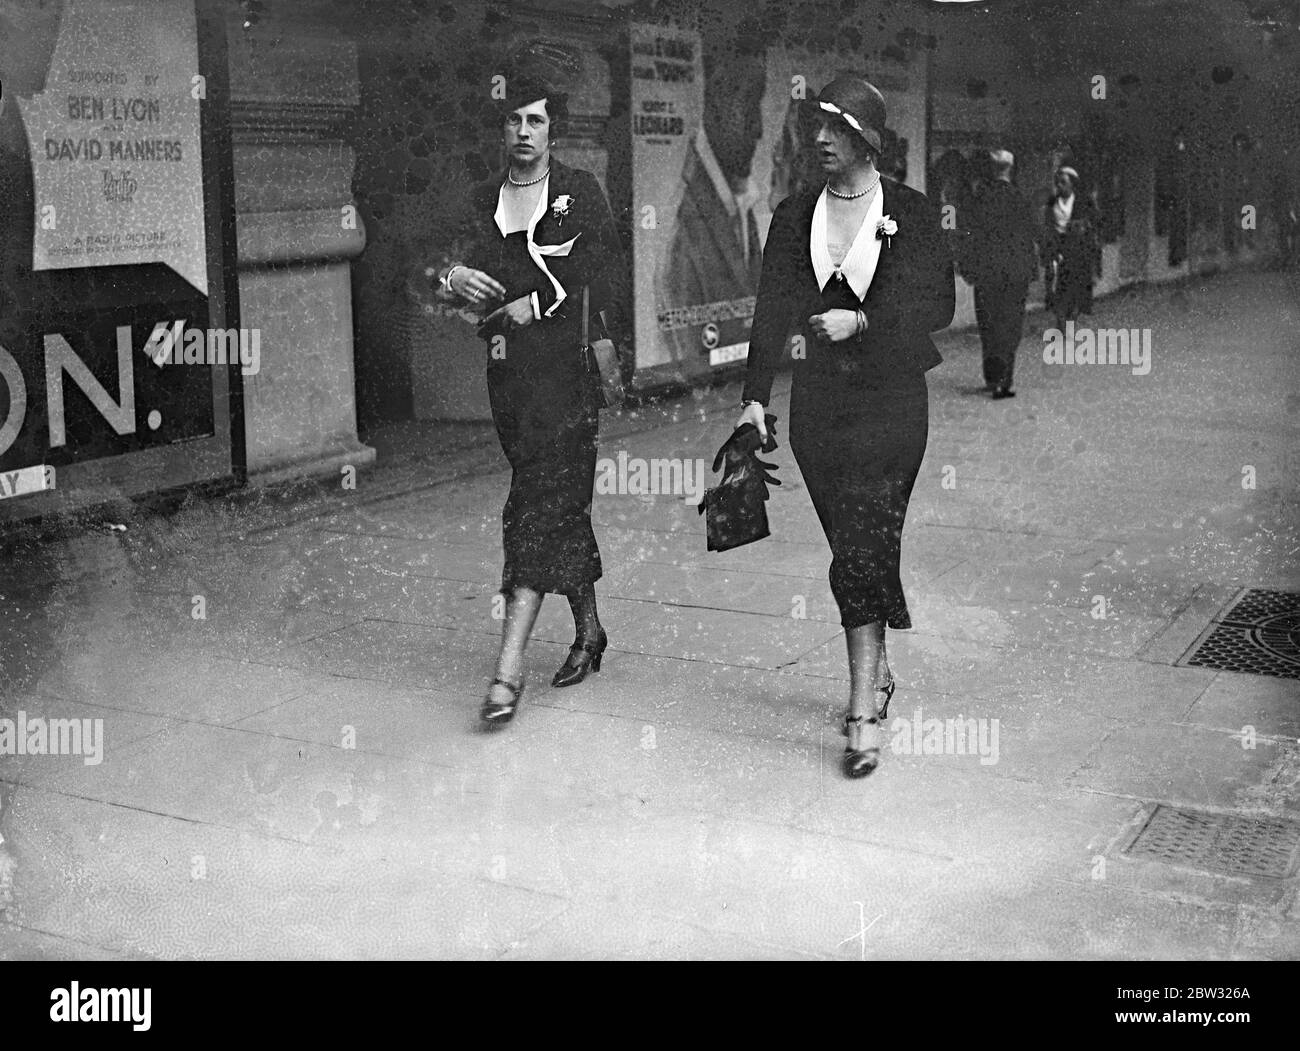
[419, 136]
[1039, 98]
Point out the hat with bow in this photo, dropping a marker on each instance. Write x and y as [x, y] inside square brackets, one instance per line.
[856, 102]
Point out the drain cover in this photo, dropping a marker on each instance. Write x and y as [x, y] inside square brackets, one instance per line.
[1236, 846]
[1258, 633]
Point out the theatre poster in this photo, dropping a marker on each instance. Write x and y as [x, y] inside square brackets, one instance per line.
[116, 251]
[707, 173]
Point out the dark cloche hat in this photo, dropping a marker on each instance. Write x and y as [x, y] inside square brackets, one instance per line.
[540, 69]
[858, 104]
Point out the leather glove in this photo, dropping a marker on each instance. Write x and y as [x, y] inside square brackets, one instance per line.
[741, 468]
[744, 443]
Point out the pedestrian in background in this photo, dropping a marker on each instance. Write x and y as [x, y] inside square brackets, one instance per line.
[1173, 197]
[1001, 262]
[1239, 191]
[1286, 205]
[1071, 249]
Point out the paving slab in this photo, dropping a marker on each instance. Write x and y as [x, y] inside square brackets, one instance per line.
[299, 773]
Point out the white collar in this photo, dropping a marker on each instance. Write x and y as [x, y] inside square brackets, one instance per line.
[500, 214]
[535, 253]
[859, 266]
[732, 201]
[1062, 212]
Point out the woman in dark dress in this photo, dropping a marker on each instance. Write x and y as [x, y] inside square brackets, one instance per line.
[860, 267]
[539, 234]
[1071, 248]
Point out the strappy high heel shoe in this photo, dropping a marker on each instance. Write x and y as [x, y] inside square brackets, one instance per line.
[583, 657]
[859, 762]
[497, 713]
[882, 712]
[888, 691]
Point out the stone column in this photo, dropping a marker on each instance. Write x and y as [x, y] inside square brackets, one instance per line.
[292, 88]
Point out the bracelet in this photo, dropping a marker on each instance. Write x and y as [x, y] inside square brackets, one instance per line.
[447, 279]
[750, 401]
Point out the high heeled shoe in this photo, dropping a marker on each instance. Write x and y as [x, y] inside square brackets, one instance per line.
[882, 712]
[497, 713]
[888, 691]
[859, 762]
[583, 657]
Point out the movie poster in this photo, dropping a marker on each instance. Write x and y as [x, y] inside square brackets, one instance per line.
[666, 99]
[105, 224]
[720, 135]
[114, 140]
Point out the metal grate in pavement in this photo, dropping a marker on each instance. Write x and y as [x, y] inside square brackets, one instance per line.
[1258, 633]
[1226, 843]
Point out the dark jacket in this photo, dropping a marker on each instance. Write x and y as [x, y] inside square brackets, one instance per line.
[595, 258]
[1079, 247]
[1001, 245]
[911, 294]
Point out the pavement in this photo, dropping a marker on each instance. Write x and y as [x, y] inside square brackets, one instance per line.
[288, 688]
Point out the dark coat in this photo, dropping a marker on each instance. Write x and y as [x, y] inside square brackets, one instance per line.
[1001, 245]
[1077, 254]
[1081, 242]
[911, 295]
[596, 258]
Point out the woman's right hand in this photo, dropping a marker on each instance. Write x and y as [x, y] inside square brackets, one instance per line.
[475, 285]
[753, 413]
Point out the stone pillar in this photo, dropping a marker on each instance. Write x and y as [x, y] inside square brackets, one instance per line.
[292, 88]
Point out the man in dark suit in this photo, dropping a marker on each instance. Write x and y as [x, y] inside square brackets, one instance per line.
[1001, 264]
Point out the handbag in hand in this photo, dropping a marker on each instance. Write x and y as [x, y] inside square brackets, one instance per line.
[602, 359]
[735, 511]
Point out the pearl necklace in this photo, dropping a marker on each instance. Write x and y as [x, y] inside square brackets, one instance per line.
[852, 196]
[531, 182]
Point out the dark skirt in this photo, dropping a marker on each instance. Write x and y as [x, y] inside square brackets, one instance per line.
[859, 441]
[546, 417]
[1071, 293]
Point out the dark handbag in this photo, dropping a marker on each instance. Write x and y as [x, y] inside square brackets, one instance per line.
[601, 357]
[735, 509]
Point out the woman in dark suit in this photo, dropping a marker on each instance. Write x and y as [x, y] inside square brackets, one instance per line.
[860, 267]
[539, 233]
[1071, 248]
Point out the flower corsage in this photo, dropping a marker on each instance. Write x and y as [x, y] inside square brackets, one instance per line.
[886, 228]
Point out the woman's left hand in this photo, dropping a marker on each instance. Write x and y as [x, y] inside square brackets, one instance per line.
[834, 325]
[515, 314]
